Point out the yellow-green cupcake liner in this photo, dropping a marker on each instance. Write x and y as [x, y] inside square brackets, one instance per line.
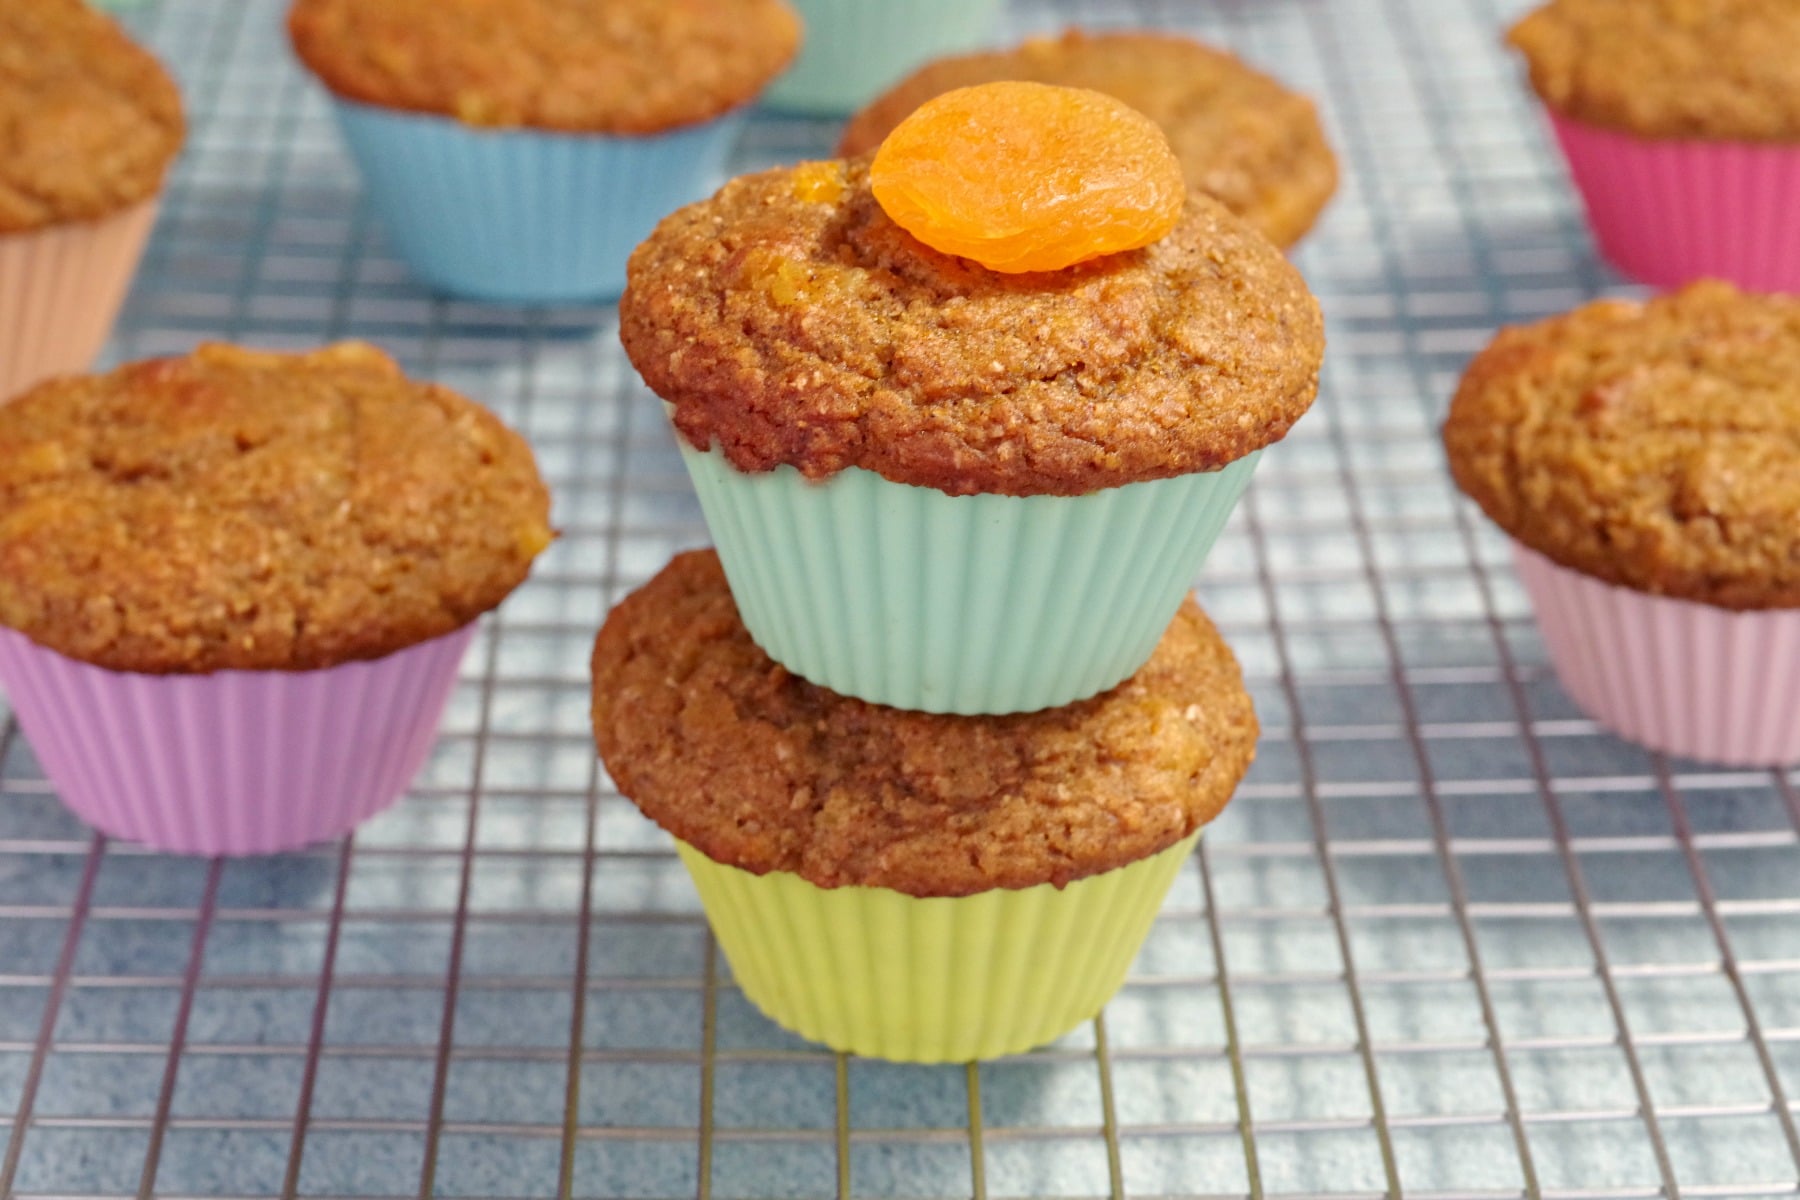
[875, 972]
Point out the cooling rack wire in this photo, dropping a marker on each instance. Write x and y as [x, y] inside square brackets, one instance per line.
[1450, 942]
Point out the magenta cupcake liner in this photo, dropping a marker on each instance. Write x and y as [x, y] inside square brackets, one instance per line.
[1667, 212]
[236, 762]
[1684, 678]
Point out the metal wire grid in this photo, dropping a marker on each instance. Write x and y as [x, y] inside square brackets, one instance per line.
[1450, 941]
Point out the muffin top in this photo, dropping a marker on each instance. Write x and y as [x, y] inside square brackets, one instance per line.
[89, 121]
[576, 66]
[759, 769]
[1242, 138]
[1655, 446]
[789, 320]
[257, 511]
[1718, 69]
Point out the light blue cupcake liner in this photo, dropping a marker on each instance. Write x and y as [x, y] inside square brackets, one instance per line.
[523, 216]
[856, 49]
[908, 597]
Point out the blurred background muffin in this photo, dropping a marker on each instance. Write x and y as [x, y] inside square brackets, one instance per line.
[516, 150]
[1242, 137]
[1681, 125]
[235, 587]
[854, 48]
[89, 123]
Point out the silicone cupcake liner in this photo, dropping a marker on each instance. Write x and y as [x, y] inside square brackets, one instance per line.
[905, 596]
[1684, 678]
[855, 49]
[522, 216]
[875, 972]
[1669, 212]
[61, 289]
[237, 762]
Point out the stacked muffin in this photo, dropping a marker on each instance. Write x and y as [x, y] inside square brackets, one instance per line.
[937, 750]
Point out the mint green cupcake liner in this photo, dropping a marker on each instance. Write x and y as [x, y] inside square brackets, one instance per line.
[878, 973]
[904, 596]
[856, 49]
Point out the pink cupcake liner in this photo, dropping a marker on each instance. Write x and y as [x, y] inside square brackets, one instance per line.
[1684, 678]
[60, 291]
[1669, 212]
[237, 762]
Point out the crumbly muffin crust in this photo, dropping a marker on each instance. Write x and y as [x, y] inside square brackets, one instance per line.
[789, 320]
[1655, 446]
[759, 769]
[1242, 137]
[257, 511]
[89, 121]
[1708, 69]
[575, 66]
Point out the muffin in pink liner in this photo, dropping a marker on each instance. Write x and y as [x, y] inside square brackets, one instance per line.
[235, 587]
[1681, 126]
[1645, 461]
[90, 124]
[1681, 677]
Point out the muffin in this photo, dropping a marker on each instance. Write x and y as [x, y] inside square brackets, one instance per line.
[946, 487]
[235, 587]
[1681, 125]
[1643, 460]
[89, 123]
[516, 150]
[897, 884]
[854, 48]
[1242, 137]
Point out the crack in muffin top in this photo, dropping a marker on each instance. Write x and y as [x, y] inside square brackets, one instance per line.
[89, 120]
[1242, 137]
[759, 769]
[1710, 69]
[571, 66]
[1655, 446]
[788, 320]
[237, 510]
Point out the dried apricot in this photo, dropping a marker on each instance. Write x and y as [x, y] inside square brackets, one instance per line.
[1029, 177]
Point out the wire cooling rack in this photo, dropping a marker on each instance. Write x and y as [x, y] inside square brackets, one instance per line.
[1451, 941]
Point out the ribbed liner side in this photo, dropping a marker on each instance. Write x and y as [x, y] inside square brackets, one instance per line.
[855, 49]
[61, 289]
[1684, 678]
[908, 597]
[1668, 212]
[874, 972]
[237, 762]
[524, 216]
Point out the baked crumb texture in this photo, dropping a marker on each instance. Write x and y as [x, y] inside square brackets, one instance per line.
[257, 511]
[758, 769]
[1706, 69]
[789, 320]
[1655, 446]
[574, 66]
[89, 121]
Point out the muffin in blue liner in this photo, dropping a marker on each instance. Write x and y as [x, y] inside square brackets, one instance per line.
[518, 151]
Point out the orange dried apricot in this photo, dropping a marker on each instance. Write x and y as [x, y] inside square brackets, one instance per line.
[1029, 177]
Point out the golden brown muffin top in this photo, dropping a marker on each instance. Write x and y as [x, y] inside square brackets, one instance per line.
[576, 66]
[759, 769]
[1715, 69]
[789, 320]
[89, 121]
[257, 511]
[1655, 446]
[1242, 137]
